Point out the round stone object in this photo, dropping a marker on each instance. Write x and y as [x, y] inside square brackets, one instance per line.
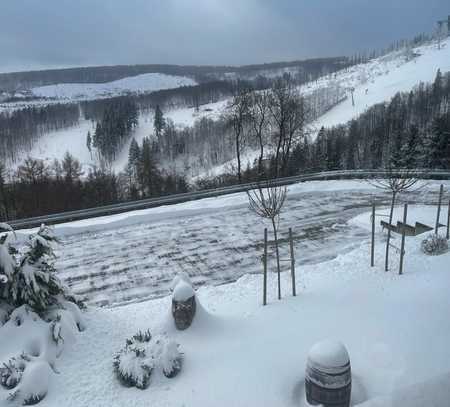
[328, 379]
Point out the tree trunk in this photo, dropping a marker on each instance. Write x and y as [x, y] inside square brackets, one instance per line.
[238, 154]
[278, 257]
[388, 242]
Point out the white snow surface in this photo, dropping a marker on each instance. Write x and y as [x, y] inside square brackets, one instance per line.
[239, 353]
[183, 291]
[135, 84]
[329, 353]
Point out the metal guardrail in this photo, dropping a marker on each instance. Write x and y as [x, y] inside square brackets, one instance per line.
[190, 196]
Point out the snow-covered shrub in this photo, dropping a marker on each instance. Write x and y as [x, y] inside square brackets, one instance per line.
[11, 372]
[38, 316]
[143, 353]
[7, 263]
[434, 245]
[171, 359]
[132, 367]
[140, 336]
[34, 383]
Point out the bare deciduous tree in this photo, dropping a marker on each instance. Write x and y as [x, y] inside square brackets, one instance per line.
[267, 201]
[237, 115]
[287, 111]
[259, 118]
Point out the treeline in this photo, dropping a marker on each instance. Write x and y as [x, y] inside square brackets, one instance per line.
[114, 129]
[37, 188]
[101, 74]
[211, 142]
[19, 129]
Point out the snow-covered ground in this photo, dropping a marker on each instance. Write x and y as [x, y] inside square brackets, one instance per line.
[238, 353]
[144, 83]
[133, 256]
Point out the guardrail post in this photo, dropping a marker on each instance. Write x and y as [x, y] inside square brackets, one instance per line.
[291, 242]
[265, 268]
[372, 245]
[441, 191]
[402, 247]
[448, 221]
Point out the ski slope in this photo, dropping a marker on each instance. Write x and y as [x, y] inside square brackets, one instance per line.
[379, 80]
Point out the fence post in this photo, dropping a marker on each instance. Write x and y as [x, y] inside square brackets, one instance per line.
[291, 241]
[448, 221]
[441, 191]
[402, 247]
[372, 246]
[265, 268]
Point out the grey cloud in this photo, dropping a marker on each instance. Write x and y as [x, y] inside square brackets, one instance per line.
[49, 33]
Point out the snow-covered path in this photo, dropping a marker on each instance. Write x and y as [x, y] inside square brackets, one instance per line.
[213, 245]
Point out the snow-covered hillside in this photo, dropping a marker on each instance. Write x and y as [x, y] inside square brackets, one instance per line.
[374, 82]
[136, 84]
[56, 143]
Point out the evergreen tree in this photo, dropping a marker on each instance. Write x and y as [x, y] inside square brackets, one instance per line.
[35, 282]
[148, 172]
[89, 143]
[158, 122]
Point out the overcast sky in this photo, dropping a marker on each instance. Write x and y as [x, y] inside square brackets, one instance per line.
[56, 33]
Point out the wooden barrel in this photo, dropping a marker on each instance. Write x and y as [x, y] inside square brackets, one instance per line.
[328, 379]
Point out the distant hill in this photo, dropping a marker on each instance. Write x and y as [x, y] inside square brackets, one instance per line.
[15, 81]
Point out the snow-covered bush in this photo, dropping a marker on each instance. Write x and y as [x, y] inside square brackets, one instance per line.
[38, 316]
[34, 383]
[132, 367]
[434, 245]
[142, 354]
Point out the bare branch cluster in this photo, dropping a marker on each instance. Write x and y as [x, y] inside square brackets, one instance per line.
[267, 200]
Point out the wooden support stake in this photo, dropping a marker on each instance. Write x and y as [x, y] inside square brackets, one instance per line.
[291, 241]
[448, 221]
[372, 246]
[402, 247]
[441, 191]
[265, 268]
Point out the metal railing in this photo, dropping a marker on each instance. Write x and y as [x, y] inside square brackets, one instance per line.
[190, 196]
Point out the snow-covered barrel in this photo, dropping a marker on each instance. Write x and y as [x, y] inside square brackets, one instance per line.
[328, 379]
[183, 305]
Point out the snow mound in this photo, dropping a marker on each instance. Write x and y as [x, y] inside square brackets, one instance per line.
[329, 353]
[181, 276]
[183, 291]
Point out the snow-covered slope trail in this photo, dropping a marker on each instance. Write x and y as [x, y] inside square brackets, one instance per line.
[379, 80]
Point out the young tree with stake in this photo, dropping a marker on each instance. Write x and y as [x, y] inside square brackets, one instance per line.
[267, 201]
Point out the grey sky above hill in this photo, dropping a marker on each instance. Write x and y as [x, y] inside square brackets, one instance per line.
[37, 34]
